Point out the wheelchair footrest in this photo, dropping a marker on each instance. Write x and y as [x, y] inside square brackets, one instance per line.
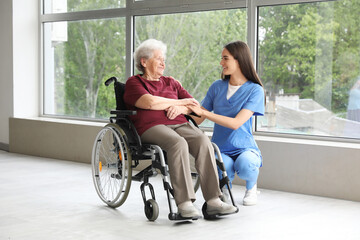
[178, 217]
[215, 216]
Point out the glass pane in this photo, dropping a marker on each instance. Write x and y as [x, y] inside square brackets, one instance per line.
[194, 41]
[309, 62]
[61, 6]
[79, 57]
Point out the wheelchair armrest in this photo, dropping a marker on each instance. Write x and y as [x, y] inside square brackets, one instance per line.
[123, 113]
[132, 136]
[190, 119]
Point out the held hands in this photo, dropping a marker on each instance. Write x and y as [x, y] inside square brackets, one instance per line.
[183, 108]
[174, 111]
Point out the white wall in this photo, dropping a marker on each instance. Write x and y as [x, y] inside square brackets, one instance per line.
[19, 63]
[26, 55]
[6, 74]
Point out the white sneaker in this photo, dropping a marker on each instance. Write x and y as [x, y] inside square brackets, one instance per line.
[250, 197]
[225, 197]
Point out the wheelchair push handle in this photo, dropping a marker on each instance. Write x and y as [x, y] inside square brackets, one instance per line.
[110, 80]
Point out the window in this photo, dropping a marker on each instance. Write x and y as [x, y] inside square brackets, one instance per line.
[309, 61]
[307, 55]
[79, 57]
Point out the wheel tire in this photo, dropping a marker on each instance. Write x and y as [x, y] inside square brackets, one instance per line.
[151, 209]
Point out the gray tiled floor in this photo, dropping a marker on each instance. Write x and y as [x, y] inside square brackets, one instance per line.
[51, 199]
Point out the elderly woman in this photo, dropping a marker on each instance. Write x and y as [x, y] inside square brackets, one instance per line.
[161, 103]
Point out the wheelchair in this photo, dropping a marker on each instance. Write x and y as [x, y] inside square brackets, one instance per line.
[118, 150]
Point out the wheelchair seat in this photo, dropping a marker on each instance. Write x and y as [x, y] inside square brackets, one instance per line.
[118, 150]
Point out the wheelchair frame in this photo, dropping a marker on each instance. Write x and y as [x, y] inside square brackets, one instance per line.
[118, 149]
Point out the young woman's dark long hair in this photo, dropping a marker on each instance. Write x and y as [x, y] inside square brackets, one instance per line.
[241, 52]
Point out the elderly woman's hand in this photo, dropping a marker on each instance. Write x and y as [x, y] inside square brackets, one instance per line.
[174, 111]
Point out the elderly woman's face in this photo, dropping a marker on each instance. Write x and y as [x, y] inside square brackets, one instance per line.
[155, 65]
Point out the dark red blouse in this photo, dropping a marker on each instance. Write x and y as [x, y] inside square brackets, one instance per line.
[167, 87]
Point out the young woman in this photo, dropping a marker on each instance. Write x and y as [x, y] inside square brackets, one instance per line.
[230, 103]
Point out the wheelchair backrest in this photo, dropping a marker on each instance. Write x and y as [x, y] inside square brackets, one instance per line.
[119, 88]
[122, 118]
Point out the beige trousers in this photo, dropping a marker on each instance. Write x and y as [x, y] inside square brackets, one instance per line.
[178, 141]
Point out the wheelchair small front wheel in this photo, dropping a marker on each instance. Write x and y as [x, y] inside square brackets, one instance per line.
[111, 165]
[196, 180]
[151, 209]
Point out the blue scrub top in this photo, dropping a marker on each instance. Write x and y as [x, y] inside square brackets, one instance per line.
[249, 96]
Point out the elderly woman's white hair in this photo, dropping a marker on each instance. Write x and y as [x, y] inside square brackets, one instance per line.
[146, 49]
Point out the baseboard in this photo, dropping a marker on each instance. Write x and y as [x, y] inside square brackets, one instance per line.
[4, 146]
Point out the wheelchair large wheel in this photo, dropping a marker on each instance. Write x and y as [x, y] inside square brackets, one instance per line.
[111, 165]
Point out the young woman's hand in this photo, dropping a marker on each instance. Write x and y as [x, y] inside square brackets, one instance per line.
[197, 110]
[190, 102]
